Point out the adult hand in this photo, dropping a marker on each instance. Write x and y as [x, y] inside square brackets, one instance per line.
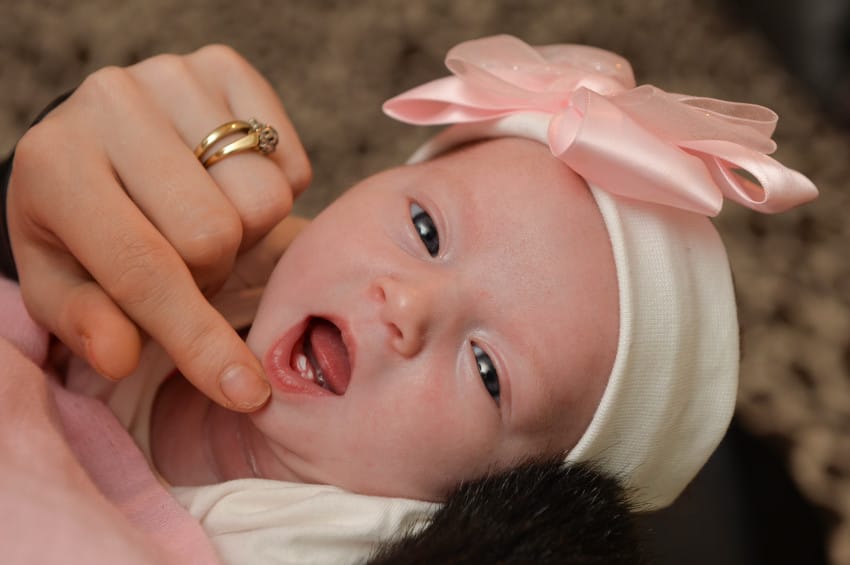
[116, 227]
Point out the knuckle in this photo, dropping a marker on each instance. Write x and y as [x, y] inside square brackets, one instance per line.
[32, 147]
[31, 170]
[265, 213]
[108, 92]
[301, 174]
[222, 55]
[167, 68]
[203, 346]
[194, 341]
[141, 275]
[166, 62]
[217, 243]
[105, 84]
[36, 143]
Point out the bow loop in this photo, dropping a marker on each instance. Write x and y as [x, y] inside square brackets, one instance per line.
[638, 142]
[501, 75]
[611, 150]
[504, 63]
[752, 179]
[678, 118]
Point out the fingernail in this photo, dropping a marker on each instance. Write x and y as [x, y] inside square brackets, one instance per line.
[244, 388]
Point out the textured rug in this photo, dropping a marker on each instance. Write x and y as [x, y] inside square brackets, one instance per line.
[335, 62]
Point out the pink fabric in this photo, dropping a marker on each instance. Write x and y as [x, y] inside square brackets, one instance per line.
[637, 142]
[105, 450]
[18, 327]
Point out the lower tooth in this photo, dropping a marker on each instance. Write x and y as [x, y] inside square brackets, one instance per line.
[304, 367]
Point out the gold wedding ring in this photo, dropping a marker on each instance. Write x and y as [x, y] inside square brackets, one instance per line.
[258, 137]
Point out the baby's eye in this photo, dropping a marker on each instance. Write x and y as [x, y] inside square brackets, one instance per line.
[487, 371]
[427, 230]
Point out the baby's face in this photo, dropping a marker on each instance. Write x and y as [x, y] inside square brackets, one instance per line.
[435, 322]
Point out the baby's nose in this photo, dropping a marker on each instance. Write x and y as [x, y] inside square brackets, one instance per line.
[408, 309]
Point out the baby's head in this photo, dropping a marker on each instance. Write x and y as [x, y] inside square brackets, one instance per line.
[491, 302]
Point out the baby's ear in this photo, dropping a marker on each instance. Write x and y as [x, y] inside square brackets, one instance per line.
[543, 511]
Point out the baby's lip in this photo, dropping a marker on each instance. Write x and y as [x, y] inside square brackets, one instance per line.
[332, 352]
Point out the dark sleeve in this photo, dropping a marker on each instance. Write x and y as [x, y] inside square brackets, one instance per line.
[7, 260]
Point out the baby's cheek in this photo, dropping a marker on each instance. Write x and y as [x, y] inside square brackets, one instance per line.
[449, 443]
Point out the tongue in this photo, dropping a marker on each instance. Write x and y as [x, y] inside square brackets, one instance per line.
[331, 354]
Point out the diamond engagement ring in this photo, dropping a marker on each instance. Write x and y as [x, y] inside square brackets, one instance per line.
[258, 137]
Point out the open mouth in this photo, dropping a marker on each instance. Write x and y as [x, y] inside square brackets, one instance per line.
[320, 356]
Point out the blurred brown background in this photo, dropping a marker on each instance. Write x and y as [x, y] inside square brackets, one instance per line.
[334, 62]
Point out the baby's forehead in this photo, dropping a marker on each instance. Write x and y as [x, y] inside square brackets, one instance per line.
[508, 199]
[496, 170]
[509, 188]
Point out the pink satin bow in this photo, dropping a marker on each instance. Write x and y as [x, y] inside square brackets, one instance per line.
[637, 142]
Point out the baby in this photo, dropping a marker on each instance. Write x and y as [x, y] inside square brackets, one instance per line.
[542, 279]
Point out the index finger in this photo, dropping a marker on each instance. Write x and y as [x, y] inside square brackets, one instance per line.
[155, 288]
[147, 278]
